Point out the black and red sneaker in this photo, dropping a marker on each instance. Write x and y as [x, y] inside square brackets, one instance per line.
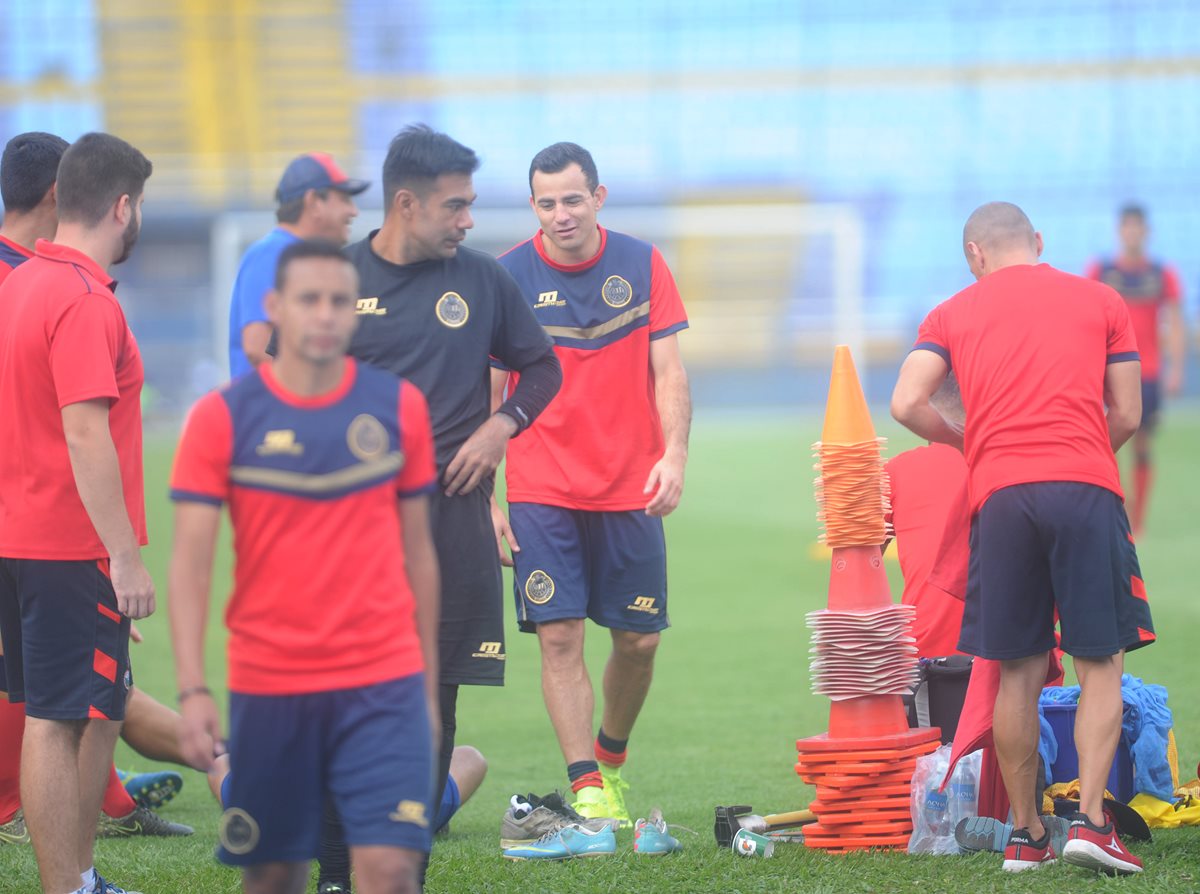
[1023, 852]
[1098, 847]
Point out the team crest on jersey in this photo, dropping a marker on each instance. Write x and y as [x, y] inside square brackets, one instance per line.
[410, 812]
[452, 310]
[539, 588]
[616, 291]
[238, 831]
[367, 438]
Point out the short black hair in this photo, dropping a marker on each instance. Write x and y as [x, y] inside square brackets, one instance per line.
[307, 248]
[1132, 209]
[289, 212]
[29, 168]
[95, 172]
[418, 155]
[559, 157]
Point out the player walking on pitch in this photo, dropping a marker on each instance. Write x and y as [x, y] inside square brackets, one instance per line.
[1039, 354]
[1151, 290]
[326, 465]
[72, 513]
[590, 482]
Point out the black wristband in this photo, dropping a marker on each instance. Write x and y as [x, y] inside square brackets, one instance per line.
[190, 691]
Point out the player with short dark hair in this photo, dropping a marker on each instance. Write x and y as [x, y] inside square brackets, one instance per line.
[315, 201]
[590, 482]
[72, 513]
[1048, 367]
[28, 169]
[1153, 293]
[326, 465]
[435, 312]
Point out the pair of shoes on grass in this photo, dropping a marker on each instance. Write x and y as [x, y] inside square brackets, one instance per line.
[650, 838]
[1087, 845]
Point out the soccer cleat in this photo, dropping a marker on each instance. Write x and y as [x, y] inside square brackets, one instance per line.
[614, 789]
[1024, 853]
[141, 821]
[651, 838]
[591, 802]
[151, 790]
[14, 831]
[984, 833]
[1099, 848]
[105, 887]
[565, 844]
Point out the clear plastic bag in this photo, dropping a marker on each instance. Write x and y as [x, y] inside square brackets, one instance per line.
[936, 813]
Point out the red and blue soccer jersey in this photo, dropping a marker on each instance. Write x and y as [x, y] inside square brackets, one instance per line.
[63, 340]
[320, 598]
[594, 445]
[12, 255]
[1030, 345]
[1146, 287]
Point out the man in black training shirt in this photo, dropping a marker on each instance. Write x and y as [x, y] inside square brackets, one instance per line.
[435, 313]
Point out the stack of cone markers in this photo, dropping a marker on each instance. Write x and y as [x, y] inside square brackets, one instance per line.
[864, 655]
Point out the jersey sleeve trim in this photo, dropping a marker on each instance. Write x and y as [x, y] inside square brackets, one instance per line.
[934, 348]
[190, 496]
[1123, 357]
[670, 330]
[410, 492]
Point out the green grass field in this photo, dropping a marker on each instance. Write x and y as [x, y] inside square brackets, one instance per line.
[730, 698]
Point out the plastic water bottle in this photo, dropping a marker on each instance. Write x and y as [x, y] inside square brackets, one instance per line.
[937, 810]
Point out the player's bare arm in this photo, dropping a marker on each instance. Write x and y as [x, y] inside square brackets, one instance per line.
[1176, 343]
[480, 454]
[921, 374]
[504, 531]
[1123, 397]
[421, 565]
[255, 338]
[188, 583]
[98, 478]
[674, 401]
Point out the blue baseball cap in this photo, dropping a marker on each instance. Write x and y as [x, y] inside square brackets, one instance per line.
[315, 170]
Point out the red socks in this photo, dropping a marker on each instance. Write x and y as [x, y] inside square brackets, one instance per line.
[117, 802]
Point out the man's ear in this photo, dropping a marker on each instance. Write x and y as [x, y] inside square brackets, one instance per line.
[601, 194]
[1037, 239]
[123, 209]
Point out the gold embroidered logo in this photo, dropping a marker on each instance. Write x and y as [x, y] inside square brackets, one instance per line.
[410, 812]
[490, 650]
[644, 604]
[452, 310]
[367, 438]
[539, 587]
[280, 441]
[370, 307]
[616, 291]
[549, 299]
[238, 831]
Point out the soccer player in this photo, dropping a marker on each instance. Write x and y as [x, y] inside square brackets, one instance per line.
[316, 201]
[326, 465]
[1039, 354]
[1151, 290]
[435, 312]
[590, 482]
[72, 514]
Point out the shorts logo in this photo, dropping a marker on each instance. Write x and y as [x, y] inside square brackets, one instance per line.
[238, 831]
[410, 812]
[280, 441]
[452, 310]
[367, 438]
[539, 587]
[128, 679]
[549, 299]
[643, 604]
[370, 307]
[616, 291]
[490, 650]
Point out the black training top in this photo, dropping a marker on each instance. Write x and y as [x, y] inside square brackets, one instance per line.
[436, 323]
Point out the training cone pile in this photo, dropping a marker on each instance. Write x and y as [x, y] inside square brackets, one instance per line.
[864, 656]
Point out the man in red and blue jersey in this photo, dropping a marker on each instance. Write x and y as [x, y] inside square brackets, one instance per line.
[326, 465]
[1047, 364]
[1151, 290]
[591, 480]
[316, 201]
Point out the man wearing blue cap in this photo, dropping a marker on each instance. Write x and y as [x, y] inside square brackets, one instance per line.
[315, 202]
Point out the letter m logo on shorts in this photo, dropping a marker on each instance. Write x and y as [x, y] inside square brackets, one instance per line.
[644, 604]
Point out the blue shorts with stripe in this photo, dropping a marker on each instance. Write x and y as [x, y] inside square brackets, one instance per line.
[1051, 545]
[66, 647]
[368, 749]
[574, 563]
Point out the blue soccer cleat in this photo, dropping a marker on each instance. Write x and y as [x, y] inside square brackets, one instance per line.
[651, 838]
[565, 844]
[151, 790]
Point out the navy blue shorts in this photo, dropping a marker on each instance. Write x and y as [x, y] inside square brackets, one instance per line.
[1151, 404]
[368, 749]
[66, 647]
[1046, 545]
[607, 566]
